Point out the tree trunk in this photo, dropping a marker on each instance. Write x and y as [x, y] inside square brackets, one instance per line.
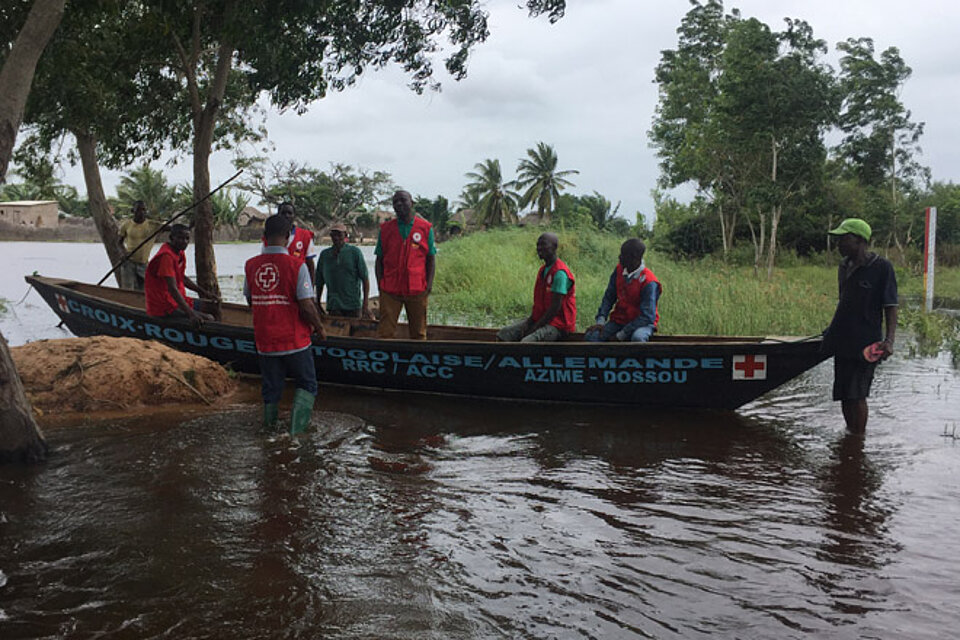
[20, 437]
[204, 254]
[16, 76]
[99, 208]
[772, 246]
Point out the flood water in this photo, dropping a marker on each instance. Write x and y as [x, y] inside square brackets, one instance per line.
[405, 517]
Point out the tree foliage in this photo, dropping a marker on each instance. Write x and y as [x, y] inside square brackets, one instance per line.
[496, 202]
[542, 182]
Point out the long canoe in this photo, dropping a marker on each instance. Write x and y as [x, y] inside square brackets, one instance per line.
[669, 371]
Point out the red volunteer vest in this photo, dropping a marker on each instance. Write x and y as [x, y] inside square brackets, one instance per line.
[158, 300]
[299, 244]
[405, 260]
[277, 325]
[566, 318]
[628, 296]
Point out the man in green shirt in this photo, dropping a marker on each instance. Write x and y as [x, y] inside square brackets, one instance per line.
[343, 270]
[133, 232]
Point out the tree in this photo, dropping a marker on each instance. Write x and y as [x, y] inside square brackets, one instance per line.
[496, 202]
[538, 174]
[149, 185]
[600, 210]
[16, 74]
[19, 435]
[880, 142]
[437, 211]
[227, 53]
[319, 197]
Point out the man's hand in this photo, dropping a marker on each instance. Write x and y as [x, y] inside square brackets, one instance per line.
[318, 329]
[366, 314]
[596, 327]
[887, 348]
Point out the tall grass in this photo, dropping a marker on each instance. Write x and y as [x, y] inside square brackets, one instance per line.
[486, 279]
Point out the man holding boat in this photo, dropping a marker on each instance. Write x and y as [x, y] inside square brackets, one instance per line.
[406, 262]
[868, 300]
[632, 293]
[277, 286]
[166, 282]
[554, 313]
[134, 233]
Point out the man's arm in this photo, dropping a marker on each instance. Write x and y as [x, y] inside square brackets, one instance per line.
[312, 270]
[308, 309]
[193, 286]
[182, 303]
[365, 309]
[648, 312]
[609, 299]
[890, 319]
[431, 270]
[556, 301]
[378, 269]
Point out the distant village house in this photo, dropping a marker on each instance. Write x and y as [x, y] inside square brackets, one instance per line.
[39, 214]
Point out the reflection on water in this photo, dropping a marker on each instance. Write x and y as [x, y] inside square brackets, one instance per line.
[407, 517]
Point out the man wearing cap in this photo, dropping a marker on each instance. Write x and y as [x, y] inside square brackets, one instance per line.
[855, 337]
[405, 268]
[343, 270]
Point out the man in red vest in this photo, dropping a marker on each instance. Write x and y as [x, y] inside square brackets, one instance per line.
[405, 267]
[632, 293]
[165, 281]
[300, 241]
[554, 313]
[278, 288]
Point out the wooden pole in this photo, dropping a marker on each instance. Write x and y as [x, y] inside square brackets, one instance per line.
[929, 257]
[20, 437]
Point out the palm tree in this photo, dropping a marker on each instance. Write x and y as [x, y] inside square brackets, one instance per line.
[599, 209]
[543, 183]
[143, 183]
[496, 203]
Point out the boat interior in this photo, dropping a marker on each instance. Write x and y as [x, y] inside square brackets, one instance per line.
[240, 315]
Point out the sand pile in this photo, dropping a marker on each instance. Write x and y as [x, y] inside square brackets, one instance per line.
[105, 374]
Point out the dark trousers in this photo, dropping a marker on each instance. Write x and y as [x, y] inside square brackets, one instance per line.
[344, 313]
[274, 370]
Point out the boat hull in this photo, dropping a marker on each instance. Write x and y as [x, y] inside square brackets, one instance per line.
[704, 372]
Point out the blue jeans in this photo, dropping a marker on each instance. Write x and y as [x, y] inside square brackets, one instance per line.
[275, 369]
[609, 330]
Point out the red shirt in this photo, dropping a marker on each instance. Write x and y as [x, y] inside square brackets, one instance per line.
[272, 282]
[405, 259]
[566, 318]
[167, 263]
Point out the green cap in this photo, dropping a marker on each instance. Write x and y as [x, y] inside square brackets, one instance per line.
[856, 226]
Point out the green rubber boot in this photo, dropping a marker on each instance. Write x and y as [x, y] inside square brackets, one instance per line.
[271, 413]
[300, 414]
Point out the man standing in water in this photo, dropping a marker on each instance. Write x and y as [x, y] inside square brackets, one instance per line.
[868, 300]
[554, 313]
[133, 232]
[405, 267]
[278, 288]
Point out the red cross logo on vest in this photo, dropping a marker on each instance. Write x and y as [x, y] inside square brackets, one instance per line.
[267, 277]
[749, 367]
[417, 237]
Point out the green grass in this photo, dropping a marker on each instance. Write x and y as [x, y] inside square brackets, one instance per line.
[486, 279]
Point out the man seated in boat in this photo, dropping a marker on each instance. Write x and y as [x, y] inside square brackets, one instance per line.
[554, 313]
[632, 293]
[278, 288]
[165, 281]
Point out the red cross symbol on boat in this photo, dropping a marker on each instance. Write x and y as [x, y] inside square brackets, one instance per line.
[267, 277]
[62, 303]
[750, 367]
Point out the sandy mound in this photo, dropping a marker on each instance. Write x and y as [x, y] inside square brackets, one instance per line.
[104, 374]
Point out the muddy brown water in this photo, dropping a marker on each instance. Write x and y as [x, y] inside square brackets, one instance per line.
[413, 517]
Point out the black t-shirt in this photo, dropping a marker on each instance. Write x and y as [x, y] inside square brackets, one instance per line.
[864, 292]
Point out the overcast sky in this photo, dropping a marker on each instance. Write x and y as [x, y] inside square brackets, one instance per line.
[585, 86]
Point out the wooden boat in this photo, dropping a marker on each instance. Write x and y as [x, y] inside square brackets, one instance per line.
[668, 371]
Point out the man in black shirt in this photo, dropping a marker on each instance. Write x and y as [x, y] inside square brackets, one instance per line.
[868, 299]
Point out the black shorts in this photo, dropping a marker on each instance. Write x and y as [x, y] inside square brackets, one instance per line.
[852, 378]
